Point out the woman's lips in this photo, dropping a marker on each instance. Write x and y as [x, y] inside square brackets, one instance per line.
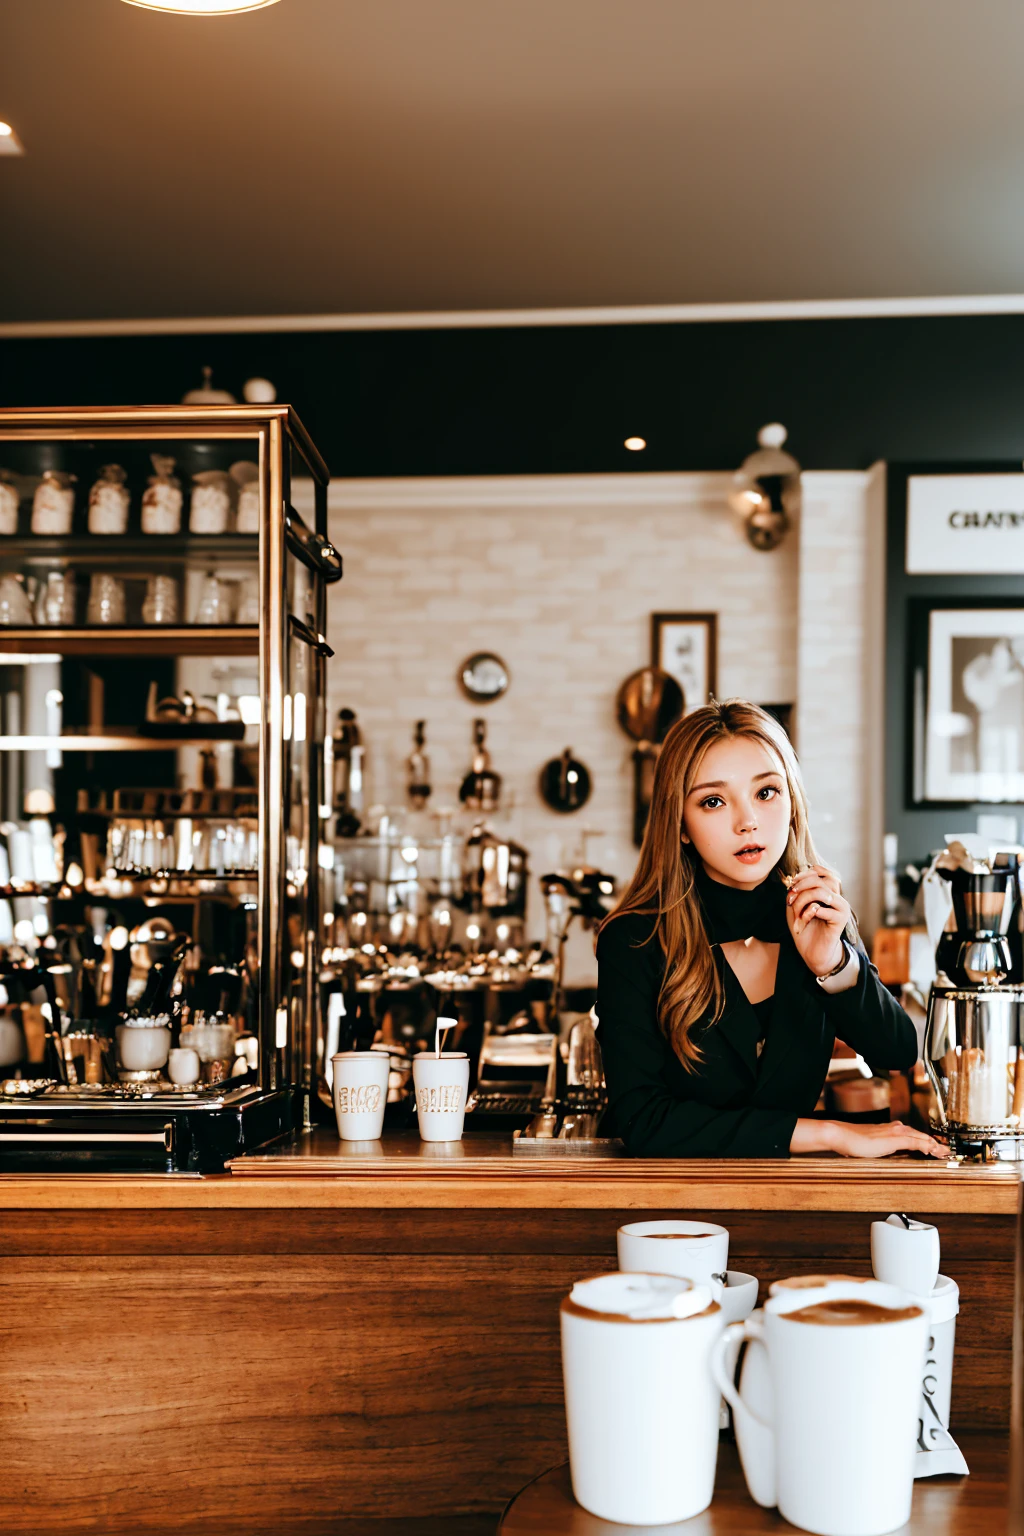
[749, 855]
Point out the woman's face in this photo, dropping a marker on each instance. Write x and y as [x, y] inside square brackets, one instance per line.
[738, 813]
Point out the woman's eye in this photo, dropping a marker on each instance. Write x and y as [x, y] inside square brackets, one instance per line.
[711, 803]
[768, 791]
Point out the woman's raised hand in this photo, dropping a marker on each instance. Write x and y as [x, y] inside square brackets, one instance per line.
[817, 913]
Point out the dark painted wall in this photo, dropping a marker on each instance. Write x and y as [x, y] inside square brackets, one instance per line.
[556, 400]
[562, 399]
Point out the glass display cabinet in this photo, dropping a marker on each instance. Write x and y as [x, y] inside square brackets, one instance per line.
[162, 669]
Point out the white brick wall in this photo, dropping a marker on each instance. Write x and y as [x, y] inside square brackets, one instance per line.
[559, 575]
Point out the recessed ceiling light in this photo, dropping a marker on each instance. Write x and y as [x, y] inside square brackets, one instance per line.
[635, 444]
[10, 144]
[203, 7]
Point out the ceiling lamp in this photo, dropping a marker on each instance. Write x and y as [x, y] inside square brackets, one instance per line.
[10, 144]
[202, 7]
[765, 490]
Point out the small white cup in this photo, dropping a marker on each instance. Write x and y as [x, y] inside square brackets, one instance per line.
[183, 1066]
[360, 1093]
[904, 1256]
[692, 1250]
[441, 1084]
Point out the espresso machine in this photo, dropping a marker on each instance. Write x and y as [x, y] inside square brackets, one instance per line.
[974, 1039]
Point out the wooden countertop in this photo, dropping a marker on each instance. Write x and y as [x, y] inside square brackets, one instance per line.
[316, 1170]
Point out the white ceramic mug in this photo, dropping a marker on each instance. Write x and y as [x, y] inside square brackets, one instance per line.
[906, 1253]
[183, 1066]
[441, 1084]
[697, 1250]
[834, 1444]
[640, 1402]
[360, 1090]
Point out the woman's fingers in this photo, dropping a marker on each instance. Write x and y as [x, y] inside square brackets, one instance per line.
[820, 902]
[816, 875]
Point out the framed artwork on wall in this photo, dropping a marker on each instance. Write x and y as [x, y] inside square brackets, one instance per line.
[685, 646]
[968, 707]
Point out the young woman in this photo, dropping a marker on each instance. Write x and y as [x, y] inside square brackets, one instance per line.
[732, 962]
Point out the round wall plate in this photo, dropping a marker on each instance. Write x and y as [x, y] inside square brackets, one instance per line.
[483, 677]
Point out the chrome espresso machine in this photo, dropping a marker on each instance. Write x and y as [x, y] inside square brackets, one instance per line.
[162, 655]
[974, 1039]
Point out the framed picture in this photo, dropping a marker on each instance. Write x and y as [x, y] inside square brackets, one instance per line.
[684, 645]
[969, 708]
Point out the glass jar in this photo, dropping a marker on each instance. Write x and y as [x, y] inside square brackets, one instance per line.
[10, 500]
[161, 500]
[53, 505]
[108, 501]
[211, 502]
[55, 603]
[247, 478]
[160, 604]
[248, 604]
[15, 607]
[214, 601]
[106, 600]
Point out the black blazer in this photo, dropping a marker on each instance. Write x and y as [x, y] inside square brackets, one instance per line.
[734, 1105]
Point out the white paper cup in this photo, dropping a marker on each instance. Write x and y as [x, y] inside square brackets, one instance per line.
[441, 1084]
[692, 1250]
[183, 1066]
[907, 1257]
[360, 1093]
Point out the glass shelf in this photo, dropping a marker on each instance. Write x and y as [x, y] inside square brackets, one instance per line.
[107, 741]
[97, 548]
[144, 640]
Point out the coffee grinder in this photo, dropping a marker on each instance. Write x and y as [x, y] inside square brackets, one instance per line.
[974, 1043]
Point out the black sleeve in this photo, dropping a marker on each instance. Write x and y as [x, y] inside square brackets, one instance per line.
[869, 1018]
[652, 1120]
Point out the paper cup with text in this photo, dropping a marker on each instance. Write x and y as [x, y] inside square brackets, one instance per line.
[360, 1093]
[441, 1084]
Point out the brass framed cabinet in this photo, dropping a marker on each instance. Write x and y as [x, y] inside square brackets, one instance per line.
[162, 666]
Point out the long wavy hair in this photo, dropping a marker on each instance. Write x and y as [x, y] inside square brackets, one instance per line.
[664, 883]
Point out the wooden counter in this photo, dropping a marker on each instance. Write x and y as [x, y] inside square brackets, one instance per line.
[317, 1171]
[320, 1335]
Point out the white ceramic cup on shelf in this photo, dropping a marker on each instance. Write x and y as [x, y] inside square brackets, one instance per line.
[696, 1250]
[183, 1066]
[833, 1446]
[360, 1094]
[640, 1402]
[441, 1084]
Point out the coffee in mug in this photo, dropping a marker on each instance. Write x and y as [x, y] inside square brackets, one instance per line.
[833, 1443]
[696, 1250]
[640, 1403]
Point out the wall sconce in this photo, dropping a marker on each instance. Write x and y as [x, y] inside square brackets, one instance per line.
[765, 489]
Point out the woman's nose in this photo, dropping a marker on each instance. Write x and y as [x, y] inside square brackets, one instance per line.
[747, 820]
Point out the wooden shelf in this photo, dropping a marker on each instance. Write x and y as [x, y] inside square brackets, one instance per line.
[93, 548]
[108, 741]
[146, 640]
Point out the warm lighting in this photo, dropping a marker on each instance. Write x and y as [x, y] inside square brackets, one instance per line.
[74, 874]
[119, 937]
[635, 444]
[202, 7]
[250, 708]
[10, 144]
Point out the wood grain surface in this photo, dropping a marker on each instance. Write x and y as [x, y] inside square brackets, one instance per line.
[168, 1370]
[945, 1506]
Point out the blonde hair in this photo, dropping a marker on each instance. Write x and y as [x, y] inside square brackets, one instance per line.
[664, 883]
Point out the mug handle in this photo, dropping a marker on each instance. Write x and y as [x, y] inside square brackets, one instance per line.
[754, 1435]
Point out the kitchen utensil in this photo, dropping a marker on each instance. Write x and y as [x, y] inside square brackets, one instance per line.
[640, 1403]
[143, 1043]
[15, 607]
[183, 1066]
[160, 604]
[565, 783]
[106, 599]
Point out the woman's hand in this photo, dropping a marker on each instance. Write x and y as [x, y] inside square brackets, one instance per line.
[817, 913]
[863, 1140]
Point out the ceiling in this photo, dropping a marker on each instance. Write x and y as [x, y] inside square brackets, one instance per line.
[395, 155]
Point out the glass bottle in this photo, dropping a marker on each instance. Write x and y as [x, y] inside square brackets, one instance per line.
[418, 768]
[9, 502]
[161, 501]
[211, 502]
[53, 505]
[108, 501]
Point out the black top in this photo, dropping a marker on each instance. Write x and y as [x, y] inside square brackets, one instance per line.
[764, 1010]
[735, 1104]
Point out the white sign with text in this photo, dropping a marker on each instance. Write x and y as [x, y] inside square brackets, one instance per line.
[965, 525]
